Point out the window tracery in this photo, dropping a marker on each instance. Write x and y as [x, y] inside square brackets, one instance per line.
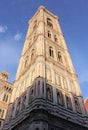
[55, 38]
[49, 34]
[49, 23]
[59, 57]
[51, 53]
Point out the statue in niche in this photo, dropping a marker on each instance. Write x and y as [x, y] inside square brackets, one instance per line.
[49, 93]
[24, 102]
[59, 98]
[77, 106]
[18, 107]
[68, 102]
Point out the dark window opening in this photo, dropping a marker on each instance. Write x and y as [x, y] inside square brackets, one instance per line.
[49, 34]
[55, 38]
[49, 23]
[59, 56]
[51, 52]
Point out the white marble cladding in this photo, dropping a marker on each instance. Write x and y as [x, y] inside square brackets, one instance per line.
[41, 96]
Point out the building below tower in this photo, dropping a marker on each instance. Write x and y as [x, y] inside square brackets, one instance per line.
[5, 94]
[86, 104]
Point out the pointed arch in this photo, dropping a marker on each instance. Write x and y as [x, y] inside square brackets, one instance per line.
[59, 56]
[55, 38]
[51, 52]
[49, 23]
[49, 34]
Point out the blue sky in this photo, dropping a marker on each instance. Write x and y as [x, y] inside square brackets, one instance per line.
[73, 18]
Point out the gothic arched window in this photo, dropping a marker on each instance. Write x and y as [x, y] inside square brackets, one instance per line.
[60, 98]
[49, 22]
[68, 102]
[59, 56]
[51, 53]
[55, 38]
[49, 34]
[5, 98]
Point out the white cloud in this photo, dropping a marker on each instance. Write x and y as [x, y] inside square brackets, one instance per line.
[3, 28]
[17, 36]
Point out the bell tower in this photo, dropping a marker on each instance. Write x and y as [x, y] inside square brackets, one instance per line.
[46, 85]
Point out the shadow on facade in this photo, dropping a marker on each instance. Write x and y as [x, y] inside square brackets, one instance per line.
[44, 107]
